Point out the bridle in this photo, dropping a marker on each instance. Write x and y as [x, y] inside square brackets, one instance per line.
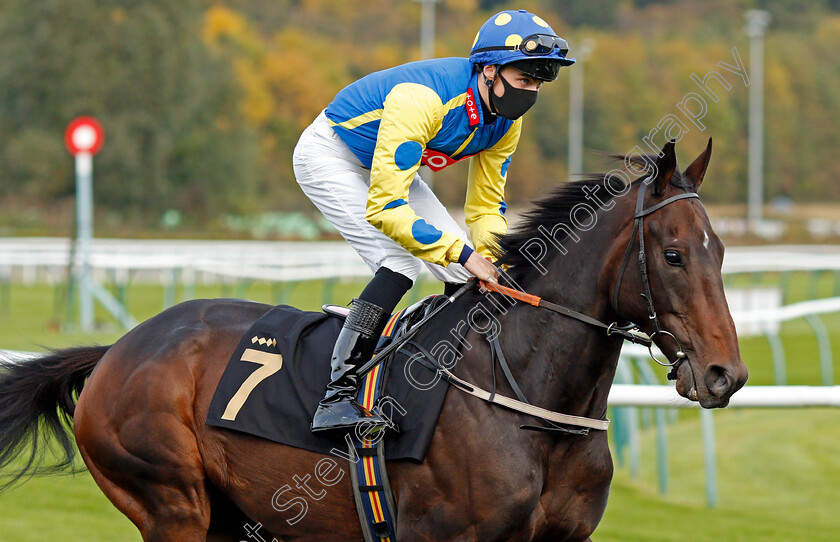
[639, 227]
[630, 331]
[553, 421]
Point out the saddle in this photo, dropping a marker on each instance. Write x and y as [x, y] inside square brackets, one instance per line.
[278, 372]
[297, 381]
[276, 377]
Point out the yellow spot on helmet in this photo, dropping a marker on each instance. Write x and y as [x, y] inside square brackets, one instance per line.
[513, 40]
[539, 21]
[502, 19]
[475, 40]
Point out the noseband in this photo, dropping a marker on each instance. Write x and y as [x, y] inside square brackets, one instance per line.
[639, 227]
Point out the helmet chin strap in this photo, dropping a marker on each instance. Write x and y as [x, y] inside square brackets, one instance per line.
[490, 92]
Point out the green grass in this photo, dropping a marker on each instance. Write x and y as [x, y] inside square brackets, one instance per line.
[777, 473]
[778, 470]
[66, 508]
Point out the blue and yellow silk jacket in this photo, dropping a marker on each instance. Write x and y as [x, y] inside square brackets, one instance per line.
[429, 113]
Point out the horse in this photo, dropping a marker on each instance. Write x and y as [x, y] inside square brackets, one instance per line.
[138, 407]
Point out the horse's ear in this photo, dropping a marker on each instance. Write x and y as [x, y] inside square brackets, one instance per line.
[697, 170]
[666, 164]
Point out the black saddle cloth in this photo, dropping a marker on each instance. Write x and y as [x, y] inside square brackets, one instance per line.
[281, 405]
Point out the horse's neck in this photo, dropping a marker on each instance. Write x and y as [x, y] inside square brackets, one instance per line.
[559, 362]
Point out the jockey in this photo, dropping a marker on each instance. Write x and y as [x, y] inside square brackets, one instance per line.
[358, 164]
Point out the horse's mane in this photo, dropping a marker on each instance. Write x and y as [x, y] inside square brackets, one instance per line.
[554, 211]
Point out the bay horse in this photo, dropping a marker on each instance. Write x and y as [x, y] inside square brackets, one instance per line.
[142, 402]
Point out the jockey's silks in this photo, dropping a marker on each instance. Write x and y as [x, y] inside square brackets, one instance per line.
[426, 112]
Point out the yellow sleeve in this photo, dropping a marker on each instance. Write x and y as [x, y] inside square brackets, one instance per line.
[485, 204]
[412, 115]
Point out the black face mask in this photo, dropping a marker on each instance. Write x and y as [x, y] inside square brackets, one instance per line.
[514, 103]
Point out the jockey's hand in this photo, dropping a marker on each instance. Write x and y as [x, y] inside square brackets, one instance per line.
[482, 268]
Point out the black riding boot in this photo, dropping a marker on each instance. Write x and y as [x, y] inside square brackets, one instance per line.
[353, 348]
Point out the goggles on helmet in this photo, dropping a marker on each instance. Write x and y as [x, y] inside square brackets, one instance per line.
[544, 69]
[533, 45]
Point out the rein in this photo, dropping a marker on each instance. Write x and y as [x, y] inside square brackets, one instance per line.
[629, 332]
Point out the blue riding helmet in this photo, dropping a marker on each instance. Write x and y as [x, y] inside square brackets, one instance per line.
[521, 37]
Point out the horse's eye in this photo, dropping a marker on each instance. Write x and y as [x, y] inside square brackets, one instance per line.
[673, 257]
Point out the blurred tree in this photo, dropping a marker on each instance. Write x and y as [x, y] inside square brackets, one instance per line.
[203, 100]
[492, 5]
[173, 135]
[646, 52]
[594, 13]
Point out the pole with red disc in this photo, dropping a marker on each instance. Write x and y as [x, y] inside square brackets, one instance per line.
[84, 137]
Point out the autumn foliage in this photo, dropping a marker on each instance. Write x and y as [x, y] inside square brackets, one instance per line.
[203, 101]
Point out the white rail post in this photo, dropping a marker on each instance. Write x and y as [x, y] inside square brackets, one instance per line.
[84, 228]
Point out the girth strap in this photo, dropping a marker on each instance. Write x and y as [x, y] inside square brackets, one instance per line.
[375, 503]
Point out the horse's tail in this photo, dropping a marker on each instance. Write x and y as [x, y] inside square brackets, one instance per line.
[37, 402]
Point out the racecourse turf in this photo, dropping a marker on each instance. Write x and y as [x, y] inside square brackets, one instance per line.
[778, 470]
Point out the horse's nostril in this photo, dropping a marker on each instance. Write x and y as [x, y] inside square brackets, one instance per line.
[717, 380]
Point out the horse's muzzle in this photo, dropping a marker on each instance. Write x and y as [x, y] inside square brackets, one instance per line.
[720, 383]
